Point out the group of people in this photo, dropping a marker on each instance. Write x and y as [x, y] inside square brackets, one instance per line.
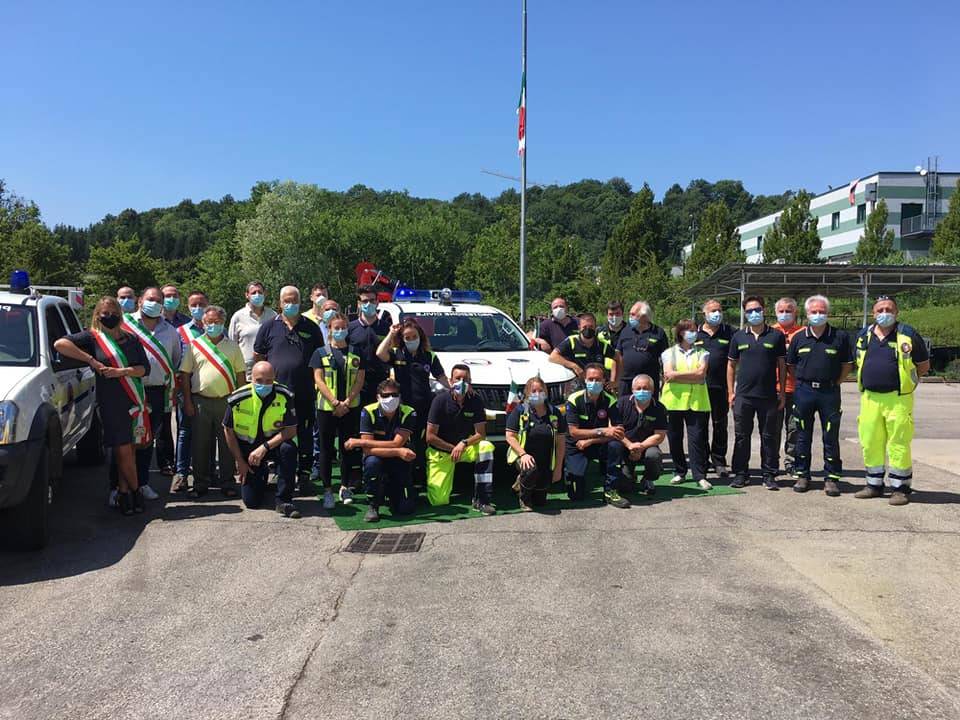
[287, 391]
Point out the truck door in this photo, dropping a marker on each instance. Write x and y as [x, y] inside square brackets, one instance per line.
[65, 378]
[85, 398]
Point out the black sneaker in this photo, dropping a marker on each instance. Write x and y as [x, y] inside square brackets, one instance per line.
[484, 507]
[288, 509]
[739, 482]
[722, 471]
[137, 500]
[770, 483]
[372, 515]
[614, 498]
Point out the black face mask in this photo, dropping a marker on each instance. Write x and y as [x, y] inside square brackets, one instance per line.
[588, 333]
[109, 321]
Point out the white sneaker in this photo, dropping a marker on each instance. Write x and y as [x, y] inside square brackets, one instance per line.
[328, 501]
[676, 479]
[705, 484]
[149, 493]
[346, 495]
[112, 498]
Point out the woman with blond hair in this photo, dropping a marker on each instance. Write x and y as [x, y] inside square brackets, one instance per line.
[119, 361]
[536, 433]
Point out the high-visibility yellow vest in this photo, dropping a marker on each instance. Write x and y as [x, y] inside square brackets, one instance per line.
[552, 416]
[603, 344]
[330, 372]
[682, 395]
[246, 407]
[906, 369]
[371, 411]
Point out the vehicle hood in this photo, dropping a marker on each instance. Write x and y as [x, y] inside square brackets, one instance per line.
[498, 368]
[11, 378]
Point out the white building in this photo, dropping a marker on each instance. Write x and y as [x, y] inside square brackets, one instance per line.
[915, 204]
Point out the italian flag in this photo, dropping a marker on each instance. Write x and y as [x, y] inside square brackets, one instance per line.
[513, 397]
[522, 117]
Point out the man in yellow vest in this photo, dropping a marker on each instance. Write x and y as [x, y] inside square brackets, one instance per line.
[260, 424]
[891, 357]
[585, 347]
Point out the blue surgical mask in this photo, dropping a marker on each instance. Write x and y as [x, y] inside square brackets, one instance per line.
[715, 317]
[537, 398]
[214, 330]
[785, 318]
[197, 313]
[262, 390]
[368, 308]
[151, 308]
[291, 310]
[412, 345]
[127, 304]
[171, 304]
[339, 335]
[460, 387]
[817, 319]
[327, 314]
[642, 396]
[594, 387]
[690, 336]
[257, 299]
[634, 322]
[755, 317]
[885, 319]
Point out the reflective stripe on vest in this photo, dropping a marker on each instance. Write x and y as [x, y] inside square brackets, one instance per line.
[906, 369]
[685, 396]
[554, 419]
[371, 411]
[247, 406]
[352, 364]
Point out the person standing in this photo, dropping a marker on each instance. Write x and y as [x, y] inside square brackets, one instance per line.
[210, 370]
[756, 362]
[594, 432]
[457, 433]
[245, 323]
[556, 328]
[819, 359]
[687, 401]
[644, 428]
[166, 446]
[536, 438]
[365, 335]
[614, 326]
[197, 304]
[786, 309]
[288, 342]
[119, 361]
[714, 336]
[891, 358]
[127, 298]
[327, 311]
[318, 296]
[579, 350]
[339, 372]
[259, 426]
[639, 348]
[171, 306]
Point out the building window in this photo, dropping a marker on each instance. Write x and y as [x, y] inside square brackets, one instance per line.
[759, 242]
[861, 213]
[835, 221]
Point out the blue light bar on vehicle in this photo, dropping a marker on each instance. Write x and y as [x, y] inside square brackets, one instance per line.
[445, 296]
[19, 281]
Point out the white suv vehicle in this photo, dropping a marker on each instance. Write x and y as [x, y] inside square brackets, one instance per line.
[487, 340]
[47, 408]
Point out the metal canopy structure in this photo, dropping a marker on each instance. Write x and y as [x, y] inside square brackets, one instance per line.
[864, 281]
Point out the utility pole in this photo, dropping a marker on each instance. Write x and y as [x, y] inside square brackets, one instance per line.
[523, 170]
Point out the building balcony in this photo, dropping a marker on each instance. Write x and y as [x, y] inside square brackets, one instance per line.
[918, 225]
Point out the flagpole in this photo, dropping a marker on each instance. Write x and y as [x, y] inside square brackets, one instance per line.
[523, 182]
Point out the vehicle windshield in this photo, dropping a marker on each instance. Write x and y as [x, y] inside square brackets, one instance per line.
[18, 336]
[470, 331]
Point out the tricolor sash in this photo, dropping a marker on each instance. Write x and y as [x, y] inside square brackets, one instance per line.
[189, 333]
[212, 353]
[132, 386]
[156, 349]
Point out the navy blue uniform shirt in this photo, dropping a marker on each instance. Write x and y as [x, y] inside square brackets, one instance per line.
[757, 358]
[718, 345]
[880, 373]
[289, 351]
[819, 359]
[456, 422]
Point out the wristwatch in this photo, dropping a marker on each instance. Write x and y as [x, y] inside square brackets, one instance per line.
[598, 432]
[266, 446]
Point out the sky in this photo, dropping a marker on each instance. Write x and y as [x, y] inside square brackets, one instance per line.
[110, 105]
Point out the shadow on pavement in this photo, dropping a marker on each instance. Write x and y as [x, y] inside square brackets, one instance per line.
[934, 497]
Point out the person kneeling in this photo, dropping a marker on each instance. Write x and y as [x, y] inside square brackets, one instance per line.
[386, 427]
[645, 426]
[259, 426]
[595, 433]
[536, 433]
[456, 433]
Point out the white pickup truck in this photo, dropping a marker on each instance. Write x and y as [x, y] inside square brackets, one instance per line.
[47, 408]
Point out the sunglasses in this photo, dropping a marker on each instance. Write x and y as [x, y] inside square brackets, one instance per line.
[390, 394]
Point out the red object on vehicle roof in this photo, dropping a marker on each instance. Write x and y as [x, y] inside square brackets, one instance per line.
[367, 274]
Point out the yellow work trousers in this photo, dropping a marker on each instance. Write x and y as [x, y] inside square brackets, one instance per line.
[885, 427]
[440, 469]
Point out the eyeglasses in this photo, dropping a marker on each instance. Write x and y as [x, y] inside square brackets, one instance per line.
[390, 394]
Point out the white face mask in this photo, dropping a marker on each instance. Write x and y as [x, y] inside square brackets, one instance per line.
[389, 404]
[559, 313]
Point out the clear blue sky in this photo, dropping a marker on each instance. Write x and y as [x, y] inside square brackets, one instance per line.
[107, 105]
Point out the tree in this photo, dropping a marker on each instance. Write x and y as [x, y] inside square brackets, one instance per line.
[718, 242]
[125, 262]
[946, 238]
[637, 236]
[876, 244]
[793, 237]
[34, 248]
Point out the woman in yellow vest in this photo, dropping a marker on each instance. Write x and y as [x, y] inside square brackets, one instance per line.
[684, 395]
[338, 372]
[536, 435]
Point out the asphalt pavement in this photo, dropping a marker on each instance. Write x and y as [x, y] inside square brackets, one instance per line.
[760, 605]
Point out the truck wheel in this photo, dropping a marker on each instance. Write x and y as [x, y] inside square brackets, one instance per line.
[27, 525]
[90, 450]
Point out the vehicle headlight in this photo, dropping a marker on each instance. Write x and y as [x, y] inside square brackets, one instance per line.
[8, 422]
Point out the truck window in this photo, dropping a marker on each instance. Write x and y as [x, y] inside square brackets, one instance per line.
[55, 331]
[18, 336]
[73, 325]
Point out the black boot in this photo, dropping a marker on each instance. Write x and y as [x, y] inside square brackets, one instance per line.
[137, 500]
[125, 503]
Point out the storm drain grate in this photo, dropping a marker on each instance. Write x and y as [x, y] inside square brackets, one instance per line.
[386, 543]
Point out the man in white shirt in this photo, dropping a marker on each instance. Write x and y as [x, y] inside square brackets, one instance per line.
[246, 322]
